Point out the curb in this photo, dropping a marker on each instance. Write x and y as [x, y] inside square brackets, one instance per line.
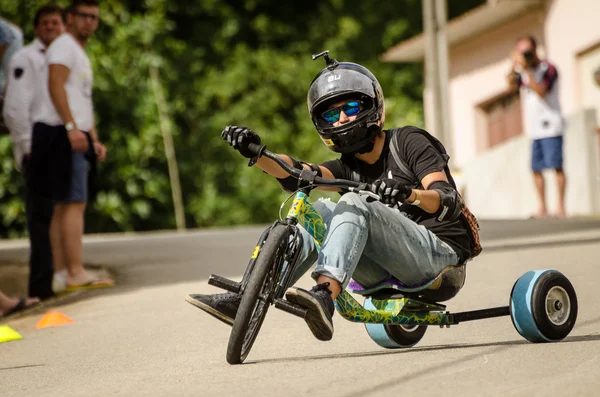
[141, 236]
[569, 237]
[576, 237]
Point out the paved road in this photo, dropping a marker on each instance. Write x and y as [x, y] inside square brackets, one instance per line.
[141, 339]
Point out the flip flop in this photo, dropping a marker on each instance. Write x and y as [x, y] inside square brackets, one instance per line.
[91, 285]
[22, 305]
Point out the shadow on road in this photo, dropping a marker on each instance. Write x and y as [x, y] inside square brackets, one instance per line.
[393, 382]
[498, 347]
[574, 338]
[570, 339]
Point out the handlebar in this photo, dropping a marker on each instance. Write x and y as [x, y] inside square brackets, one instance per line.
[310, 177]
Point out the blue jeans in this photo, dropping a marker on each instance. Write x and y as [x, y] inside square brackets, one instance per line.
[371, 242]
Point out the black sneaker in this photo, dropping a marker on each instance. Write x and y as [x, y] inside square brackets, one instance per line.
[319, 306]
[221, 306]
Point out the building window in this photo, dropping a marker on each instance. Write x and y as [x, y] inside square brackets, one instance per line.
[498, 119]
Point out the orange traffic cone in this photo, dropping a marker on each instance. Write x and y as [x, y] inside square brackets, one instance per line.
[53, 319]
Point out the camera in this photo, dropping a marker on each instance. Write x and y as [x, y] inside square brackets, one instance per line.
[529, 56]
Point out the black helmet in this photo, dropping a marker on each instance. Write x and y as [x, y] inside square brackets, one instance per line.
[337, 82]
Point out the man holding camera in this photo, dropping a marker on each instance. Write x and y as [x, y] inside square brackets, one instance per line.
[543, 121]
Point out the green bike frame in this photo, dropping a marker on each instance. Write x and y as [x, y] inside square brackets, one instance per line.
[402, 310]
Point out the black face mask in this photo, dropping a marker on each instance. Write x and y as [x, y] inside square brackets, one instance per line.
[373, 130]
[367, 148]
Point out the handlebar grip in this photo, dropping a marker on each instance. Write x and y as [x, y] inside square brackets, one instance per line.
[258, 150]
[255, 148]
[370, 194]
[365, 192]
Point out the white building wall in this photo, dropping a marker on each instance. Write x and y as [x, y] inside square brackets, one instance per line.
[499, 183]
[571, 26]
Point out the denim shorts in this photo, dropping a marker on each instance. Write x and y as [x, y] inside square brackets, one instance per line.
[79, 179]
[547, 153]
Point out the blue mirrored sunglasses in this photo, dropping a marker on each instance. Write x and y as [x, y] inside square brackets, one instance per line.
[350, 109]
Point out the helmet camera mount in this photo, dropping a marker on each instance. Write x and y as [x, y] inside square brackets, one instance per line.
[331, 63]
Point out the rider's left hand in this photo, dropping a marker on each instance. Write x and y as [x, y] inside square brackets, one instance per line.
[391, 191]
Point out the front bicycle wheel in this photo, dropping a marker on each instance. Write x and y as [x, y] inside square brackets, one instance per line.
[258, 295]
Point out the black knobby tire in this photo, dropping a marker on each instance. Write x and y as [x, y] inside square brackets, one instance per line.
[405, 335]
[542, 305]
[257, 295]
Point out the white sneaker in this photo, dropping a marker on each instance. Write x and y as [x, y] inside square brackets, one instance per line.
[59, 282]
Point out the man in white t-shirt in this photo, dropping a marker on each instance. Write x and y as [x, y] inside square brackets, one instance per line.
[25, 77]
[543, 119]
[65, 145]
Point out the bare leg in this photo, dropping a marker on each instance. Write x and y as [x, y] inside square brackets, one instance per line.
[561, 182]
[66, 237]
[71, 232]
[71, 229]
[538, 178]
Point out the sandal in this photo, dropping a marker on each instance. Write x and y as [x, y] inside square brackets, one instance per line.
[21, 305]
[106, 283]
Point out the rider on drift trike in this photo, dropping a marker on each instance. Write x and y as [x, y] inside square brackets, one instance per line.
[418, 229]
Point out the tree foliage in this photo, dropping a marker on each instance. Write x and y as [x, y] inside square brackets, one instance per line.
[242, 62]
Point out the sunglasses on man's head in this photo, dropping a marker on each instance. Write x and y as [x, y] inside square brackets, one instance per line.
[350, 109]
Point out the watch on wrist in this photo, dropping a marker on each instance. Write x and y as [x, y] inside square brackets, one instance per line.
[70, 126]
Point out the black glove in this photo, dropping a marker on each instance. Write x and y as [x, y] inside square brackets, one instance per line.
[239, 138]
[391, 191]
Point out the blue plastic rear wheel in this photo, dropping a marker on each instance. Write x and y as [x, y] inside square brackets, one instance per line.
[394, 336]
[543, 306]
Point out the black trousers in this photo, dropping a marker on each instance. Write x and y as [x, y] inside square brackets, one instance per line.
[39, 215]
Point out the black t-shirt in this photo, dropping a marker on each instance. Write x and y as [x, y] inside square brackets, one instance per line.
[422, 158]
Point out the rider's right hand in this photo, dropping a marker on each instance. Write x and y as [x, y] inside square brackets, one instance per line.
[391, 191]
[239, 138]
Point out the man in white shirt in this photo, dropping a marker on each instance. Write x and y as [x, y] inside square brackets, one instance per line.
[25, 76]
[544, 122]
[65, 146]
